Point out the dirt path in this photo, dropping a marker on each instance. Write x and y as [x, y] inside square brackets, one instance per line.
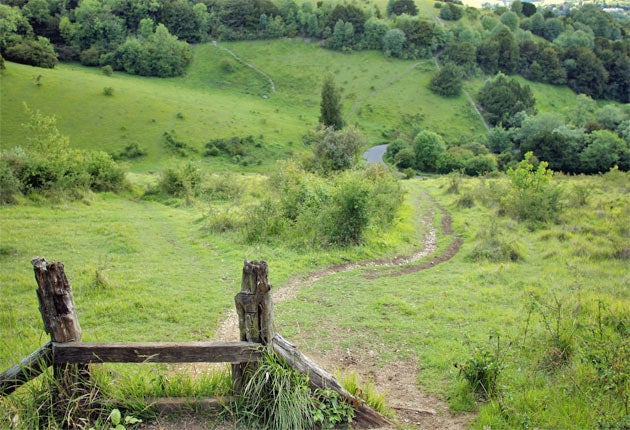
[412, 407]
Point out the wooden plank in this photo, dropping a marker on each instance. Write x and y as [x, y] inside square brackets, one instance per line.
[155, 352]
[365, 415]
[28, 368]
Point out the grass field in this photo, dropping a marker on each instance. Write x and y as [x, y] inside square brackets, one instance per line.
[153, 270]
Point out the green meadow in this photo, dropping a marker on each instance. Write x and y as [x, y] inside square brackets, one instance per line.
[379, 95]
[149, 269]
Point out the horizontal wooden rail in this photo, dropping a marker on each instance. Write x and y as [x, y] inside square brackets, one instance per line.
[28, 368]
[155, 352]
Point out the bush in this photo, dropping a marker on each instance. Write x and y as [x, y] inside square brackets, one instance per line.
[39, 53]
[227, 66]
[183, 181]
[495, 245]
[107, 70]
[108, 91]
[348, 214]
[130, 152]
[90, 57]
[482, 370]
[308, 210]
[10, 184]
[105, 174]
[532, 197]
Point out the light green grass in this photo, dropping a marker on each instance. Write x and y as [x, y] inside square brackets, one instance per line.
[436, 315]
[209, 102]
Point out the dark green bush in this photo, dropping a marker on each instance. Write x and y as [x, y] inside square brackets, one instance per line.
[33, 52]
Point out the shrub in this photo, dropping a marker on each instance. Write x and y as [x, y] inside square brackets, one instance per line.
[480, 165]
[336, 150]
[131, 151]
[180, 182]
[532, 197]
[90, 56]
[483, 368]
[107, 70]
[176, 146]
[495, 244]
[348, 214]
[105, 174]
[33, 52]
[10, 184]
[108, 91]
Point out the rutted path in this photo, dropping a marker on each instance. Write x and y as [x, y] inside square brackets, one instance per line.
[413, 408]
[250, 65]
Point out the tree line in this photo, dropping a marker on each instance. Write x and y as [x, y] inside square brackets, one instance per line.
[586, 48]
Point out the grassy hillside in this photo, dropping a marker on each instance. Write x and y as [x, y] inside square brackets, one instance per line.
[209, 102]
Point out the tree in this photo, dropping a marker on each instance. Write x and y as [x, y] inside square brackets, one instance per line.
[428, 146]
[528, 9]
[349, 13]
[399, 7]
[604, 151]
[33, 52]
[552, 28]
[447, 81]
[462, 54]
[552, 69]
[510, 19]
[375, 30]
[488, 56]
[585, 73]
[330, 108]
[451, 12]
[508, 51]
[502, 98]
[393, 42]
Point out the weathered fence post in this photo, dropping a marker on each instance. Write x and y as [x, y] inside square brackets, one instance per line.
[254, 307]
[56, 305]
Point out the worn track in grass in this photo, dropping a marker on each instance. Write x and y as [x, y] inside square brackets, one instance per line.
[413, 408]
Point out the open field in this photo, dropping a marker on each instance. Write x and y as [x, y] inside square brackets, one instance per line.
[148, 269]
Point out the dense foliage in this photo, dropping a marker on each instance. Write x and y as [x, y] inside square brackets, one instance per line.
[583, 47]
[585, 140]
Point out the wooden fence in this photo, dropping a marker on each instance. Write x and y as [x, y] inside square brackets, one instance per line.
[70, 357]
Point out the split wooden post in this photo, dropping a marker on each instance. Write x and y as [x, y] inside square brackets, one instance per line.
[56, 305]
[254, 307]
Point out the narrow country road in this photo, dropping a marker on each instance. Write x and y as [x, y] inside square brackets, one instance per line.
[375, 154]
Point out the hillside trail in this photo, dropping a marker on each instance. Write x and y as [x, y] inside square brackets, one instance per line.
[412, 407]
[258, 70]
